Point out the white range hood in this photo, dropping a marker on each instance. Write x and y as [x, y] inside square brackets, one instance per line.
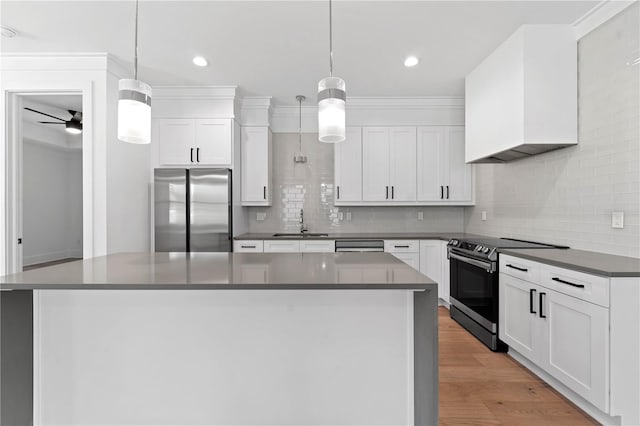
[522, 99]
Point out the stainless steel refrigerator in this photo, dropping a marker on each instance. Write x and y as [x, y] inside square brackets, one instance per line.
[193, 210]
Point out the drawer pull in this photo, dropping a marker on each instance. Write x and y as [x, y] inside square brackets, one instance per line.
[517, 268]
[405, 246]
[541, 305]
[532, 293]
[248, 246]
[567, 282]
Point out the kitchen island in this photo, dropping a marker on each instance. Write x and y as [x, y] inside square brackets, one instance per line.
[220, 338]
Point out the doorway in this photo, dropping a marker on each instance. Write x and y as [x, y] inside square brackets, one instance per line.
[50, 176]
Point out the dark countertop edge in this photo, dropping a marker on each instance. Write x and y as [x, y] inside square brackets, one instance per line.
[572, 266]
[301, 287]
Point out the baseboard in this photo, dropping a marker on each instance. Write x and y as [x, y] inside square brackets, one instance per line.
[50, 257]
[599, 415]
[444, 303]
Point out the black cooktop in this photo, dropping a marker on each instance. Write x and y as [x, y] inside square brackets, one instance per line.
[511, 243]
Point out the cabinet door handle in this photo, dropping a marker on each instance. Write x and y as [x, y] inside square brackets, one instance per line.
[405, 246]
[447, 192]
[198, 155]
[192, 155]
[541, 305]
[567, 282]
[248, 246]
[387, 192]
[393, 194]
[441, 192]
[264, 192]
[338, 189]
[532, 295]
[516, 268]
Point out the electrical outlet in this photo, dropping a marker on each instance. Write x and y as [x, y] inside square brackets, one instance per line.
[483, 215]
[617, 220]
[261, 216]
[420, 215]
[348, 215]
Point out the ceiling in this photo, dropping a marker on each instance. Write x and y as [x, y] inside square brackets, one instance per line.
[280, 48]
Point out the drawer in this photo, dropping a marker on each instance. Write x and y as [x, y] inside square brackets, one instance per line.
[587, 287]
[281, 246]
[401, 246]
[248, 246]
[523, 269]
[317, 246]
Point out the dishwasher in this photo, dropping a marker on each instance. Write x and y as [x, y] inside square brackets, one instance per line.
[359, 246]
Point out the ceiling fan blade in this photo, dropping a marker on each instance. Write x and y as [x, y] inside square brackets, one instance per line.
[50, 122]
[40, 112]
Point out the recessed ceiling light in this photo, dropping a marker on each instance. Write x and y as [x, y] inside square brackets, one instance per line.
[411, 61]
[200, 61]
[8, 32]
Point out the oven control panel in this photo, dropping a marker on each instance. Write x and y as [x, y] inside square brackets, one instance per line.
[474, 249]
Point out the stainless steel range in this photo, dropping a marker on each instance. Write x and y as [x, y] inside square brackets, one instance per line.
[474, 297]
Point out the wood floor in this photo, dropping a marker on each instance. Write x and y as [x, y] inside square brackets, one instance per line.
[480, 387]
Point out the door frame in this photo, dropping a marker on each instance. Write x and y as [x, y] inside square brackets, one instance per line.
[12, 260]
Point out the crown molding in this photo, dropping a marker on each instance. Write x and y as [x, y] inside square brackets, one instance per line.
[194, 92]
[598, 15]
[90, 61]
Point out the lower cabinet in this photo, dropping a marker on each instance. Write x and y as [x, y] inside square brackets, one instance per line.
[284, 246]
[406, 250]
[248, 246]
[435, 265]
[565, 336]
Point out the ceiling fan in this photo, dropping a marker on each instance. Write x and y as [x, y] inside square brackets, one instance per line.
[73, 126]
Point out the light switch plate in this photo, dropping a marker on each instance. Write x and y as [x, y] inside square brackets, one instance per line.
[348, 215]
[483, 215]
[420, 215]
[340, 216]
[617, 220]
[260, 216]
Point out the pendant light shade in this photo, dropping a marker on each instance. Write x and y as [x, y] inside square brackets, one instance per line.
[134, 103]
[331, 110]
[332, 99]
[134, 111]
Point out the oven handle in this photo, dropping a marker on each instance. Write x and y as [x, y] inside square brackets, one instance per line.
[487, 266]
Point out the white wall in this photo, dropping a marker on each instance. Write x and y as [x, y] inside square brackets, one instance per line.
[567, 196]
[52, 202]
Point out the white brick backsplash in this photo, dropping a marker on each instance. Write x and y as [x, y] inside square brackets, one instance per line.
[567, 196]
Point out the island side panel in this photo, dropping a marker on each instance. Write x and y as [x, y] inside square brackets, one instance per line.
[425, 328]
[16, 357]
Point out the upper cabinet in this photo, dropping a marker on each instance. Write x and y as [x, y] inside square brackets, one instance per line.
[185, 141]
[388, 164]
[403, 166]
[522, 99]
[256, 166]
[442, 172]
[348, 166]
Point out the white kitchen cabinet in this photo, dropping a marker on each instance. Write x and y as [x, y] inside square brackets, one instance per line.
[565, 336]
[435, 265]
[388, 164]
[375, 164]
[406, 250]
[317, 246]
[281, 246]
[248, 246]
[207, 142]
[348, 166]
[442, 174]
[256, 166]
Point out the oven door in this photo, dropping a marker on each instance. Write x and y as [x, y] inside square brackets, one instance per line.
[474, 289]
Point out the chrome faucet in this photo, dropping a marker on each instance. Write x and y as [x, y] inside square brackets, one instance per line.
[303, 227]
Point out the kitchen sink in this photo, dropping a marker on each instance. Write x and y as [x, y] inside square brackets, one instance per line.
[298, 234]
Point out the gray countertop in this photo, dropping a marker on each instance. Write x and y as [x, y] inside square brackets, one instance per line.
[263, 271]
[446, 236]
[584, 261]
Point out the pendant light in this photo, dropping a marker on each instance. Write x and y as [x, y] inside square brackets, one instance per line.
[331, 100]
[299, 157]
[134, 104]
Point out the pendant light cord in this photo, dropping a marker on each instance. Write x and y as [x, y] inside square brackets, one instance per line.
[300, 123]
[330, 41]
[135, 53]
